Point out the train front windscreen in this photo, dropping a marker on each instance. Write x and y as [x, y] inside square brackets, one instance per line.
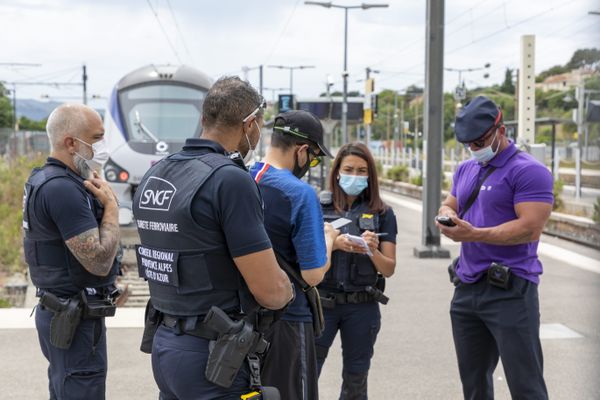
[161, 113]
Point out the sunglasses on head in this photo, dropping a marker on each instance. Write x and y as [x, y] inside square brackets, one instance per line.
[261, 106]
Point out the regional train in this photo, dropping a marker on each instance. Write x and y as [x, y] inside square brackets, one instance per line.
[150, 113]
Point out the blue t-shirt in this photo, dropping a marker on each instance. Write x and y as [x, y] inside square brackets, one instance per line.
[518, 178]
[294, 223]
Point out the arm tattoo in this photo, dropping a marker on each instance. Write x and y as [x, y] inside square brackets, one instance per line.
[96, 248]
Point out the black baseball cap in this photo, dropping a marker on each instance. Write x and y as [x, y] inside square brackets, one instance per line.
[303, 125]
[476, 119]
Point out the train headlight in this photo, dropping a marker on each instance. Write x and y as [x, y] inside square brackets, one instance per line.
[111, 175]
[114, 173]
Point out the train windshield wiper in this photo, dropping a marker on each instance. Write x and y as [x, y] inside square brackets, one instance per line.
[142, 128]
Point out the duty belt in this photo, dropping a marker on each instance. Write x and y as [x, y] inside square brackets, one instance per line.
[193, 326]
[351, 297]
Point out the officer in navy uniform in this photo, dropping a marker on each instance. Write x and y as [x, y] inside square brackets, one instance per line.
[353, 286]
[70, 221]
[203, 244]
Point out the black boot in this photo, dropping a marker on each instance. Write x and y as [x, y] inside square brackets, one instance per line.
[354, 386]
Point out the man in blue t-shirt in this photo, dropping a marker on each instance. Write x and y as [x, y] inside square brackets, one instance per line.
[495, 308]
[294, 223]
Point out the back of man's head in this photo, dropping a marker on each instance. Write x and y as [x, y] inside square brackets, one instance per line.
[69, 119]
[228, 102]
[298, 126]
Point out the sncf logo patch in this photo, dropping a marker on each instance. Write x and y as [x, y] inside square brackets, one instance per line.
[157, 194]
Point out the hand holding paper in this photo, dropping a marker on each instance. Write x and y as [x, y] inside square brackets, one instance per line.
[358, 241]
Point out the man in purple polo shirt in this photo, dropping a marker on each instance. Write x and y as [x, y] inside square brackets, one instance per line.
[495, 308]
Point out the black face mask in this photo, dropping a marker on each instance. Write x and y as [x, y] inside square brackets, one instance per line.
[299, 171]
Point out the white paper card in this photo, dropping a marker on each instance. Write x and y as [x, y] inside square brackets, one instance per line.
[359, 241]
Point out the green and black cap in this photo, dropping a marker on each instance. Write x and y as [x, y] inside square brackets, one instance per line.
[303, 125]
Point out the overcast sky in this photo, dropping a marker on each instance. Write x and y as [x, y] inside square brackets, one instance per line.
[114, 37]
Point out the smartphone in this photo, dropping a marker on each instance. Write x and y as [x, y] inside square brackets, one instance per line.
[445, 220]
[338, 223]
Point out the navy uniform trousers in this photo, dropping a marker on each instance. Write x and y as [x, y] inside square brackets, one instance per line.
[489, 322]
[359, 325]
[179, 363]
[79, 372]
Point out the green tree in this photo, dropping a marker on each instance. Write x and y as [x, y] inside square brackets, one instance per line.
[6, 110]
[507, 86]
[26, 124]
[584, 58]
[557, 69]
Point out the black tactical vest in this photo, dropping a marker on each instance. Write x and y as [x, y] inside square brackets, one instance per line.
[185, 274]
[350, 272]
[51, 263]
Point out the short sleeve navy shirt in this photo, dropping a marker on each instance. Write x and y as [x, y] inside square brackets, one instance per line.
[229, 205]
[63, 208]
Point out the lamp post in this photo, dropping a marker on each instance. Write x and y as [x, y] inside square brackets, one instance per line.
[363, 6]
[245, 69]
[273, 90]
[291, 68]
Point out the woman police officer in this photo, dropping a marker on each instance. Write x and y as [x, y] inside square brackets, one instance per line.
[354, 284]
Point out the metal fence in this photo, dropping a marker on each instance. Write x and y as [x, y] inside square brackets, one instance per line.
[20, 143]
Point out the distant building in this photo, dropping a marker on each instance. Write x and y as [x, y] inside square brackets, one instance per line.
[566, 81]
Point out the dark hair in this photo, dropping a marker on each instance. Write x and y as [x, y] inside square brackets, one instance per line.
[370, 194]
[229, 101]
[285, 141]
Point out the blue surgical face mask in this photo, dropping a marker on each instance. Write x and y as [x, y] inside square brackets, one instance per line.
[485, 154]
[353, 185]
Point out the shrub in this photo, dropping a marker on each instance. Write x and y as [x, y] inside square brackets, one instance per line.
[13, 174]
[379, 167]
[417, 180]
[5, 303]
[557, 191]
[398, 173]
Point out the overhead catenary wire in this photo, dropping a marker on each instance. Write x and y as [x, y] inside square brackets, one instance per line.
[53, 75]
[287, 22]
[187, 50]
[499, 31]
[474, 41]
[421, 40]
[162, 28]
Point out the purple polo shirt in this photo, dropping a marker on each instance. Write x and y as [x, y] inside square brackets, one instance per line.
[515, 180]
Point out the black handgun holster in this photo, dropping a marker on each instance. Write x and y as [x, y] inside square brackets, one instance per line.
[64, 323]
[151, 323]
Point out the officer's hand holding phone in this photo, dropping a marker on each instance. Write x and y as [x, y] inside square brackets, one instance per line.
[445, 220]
[330, 232]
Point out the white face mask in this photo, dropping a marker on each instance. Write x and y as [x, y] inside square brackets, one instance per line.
[485, 154]
[100, 154]
[250, 154]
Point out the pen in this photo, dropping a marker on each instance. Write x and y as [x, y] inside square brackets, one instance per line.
[382, 234]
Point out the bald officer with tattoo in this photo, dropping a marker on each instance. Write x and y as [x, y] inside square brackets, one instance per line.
[70, 220]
